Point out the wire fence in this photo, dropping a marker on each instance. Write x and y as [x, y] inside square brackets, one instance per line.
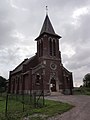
[15, 103]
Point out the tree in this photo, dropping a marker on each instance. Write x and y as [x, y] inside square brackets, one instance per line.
[2, 84]
[86, 80]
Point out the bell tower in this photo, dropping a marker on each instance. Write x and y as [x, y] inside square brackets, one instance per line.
[48, 41]
[49, 55]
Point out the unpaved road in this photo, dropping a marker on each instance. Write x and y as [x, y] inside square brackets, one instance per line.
[80, 112]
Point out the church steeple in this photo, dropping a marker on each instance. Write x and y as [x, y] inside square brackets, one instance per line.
[47, 26]
[48, 41]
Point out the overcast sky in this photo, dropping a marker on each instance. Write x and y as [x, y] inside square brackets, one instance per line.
[21, 22]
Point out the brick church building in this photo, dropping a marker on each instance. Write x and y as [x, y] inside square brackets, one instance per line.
[44, 70]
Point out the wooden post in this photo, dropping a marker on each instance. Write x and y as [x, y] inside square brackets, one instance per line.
[43, 90]
[6, 105]
[23, 91]
[35, 99]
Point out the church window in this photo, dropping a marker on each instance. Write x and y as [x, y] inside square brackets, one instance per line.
[50, 46]
[37, 79]
[67, 79]
[40, 47]
[54, 47]
[13, 85]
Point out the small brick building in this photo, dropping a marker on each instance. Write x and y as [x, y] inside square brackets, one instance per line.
[45, 69]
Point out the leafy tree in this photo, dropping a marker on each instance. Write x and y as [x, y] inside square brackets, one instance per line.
[86, 80]
[2, 84]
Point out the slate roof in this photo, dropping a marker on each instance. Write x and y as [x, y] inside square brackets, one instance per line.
[25, 62]
[67, 71]
[47, 28]
[19, 67]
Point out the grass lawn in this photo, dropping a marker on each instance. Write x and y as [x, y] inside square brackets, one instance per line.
[15, 110]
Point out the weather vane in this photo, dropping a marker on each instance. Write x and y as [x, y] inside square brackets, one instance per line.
[46, 10]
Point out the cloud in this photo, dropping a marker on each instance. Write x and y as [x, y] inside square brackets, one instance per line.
[20, 24]
[12, 4]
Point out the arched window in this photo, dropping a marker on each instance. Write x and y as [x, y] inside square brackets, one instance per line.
[41, 47]
[54, 47]
[50, 46]
[37, 79]
[13, 85]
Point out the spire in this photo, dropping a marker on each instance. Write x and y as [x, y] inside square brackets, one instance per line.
[47, 26]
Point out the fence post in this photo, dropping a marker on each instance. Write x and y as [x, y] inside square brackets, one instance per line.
[43, 91]
[35, 99]
[6, 105]
[23, 100]
[30, 97]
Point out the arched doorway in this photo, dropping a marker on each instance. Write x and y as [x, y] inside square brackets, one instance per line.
[53, 85]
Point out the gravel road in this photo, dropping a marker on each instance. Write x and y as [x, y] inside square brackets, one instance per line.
[81, 111]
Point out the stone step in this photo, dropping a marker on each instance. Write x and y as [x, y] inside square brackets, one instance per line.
[56, 93]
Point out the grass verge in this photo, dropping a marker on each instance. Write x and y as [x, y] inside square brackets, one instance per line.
[15, 110]
[82, 91]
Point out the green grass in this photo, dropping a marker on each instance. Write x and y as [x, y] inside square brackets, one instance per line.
[82, 91]
[15, 110]
[2, 104]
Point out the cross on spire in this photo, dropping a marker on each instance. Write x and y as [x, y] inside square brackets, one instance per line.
[46, 10]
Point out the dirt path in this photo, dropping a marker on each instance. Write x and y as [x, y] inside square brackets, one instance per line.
[80, 112]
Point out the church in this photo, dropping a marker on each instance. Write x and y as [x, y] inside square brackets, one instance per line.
[45, 69]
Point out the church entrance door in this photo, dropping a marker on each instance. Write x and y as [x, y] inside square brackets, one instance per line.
[53, 85]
